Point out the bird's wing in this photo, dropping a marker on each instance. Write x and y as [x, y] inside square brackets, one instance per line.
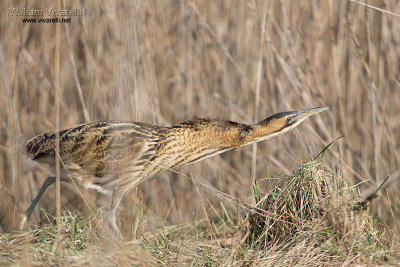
[99, 149]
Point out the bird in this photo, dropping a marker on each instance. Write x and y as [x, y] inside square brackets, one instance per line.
[115, 156]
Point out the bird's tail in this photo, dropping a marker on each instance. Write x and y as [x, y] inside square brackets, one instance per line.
[41, 145]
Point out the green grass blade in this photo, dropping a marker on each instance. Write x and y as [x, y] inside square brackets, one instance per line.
[321, 154]
[379, 187]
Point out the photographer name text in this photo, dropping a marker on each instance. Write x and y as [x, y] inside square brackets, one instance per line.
[51, 12]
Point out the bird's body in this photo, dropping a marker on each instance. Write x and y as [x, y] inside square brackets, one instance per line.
[114, 156]
[107, 155]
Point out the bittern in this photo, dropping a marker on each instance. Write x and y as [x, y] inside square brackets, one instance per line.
[113, 156]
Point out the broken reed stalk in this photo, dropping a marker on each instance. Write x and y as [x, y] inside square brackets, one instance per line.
[57, 143]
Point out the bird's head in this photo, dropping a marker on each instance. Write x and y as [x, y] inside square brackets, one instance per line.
[283, 122]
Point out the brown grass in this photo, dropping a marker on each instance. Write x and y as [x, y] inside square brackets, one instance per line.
[315, 208]
[311, 220]
[166, 61]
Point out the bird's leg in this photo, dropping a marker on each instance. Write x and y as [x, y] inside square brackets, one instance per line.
[49, 181]
[115, 200]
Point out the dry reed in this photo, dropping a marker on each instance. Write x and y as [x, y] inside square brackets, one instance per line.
[166, 61]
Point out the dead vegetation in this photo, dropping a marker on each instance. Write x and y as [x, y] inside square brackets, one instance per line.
[316, 208]
[308, 220]
[163, 62]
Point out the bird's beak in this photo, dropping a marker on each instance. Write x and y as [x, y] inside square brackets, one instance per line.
[312, 111]
[304, 114]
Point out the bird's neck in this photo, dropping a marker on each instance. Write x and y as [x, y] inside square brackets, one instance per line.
[196, 140]
[238, 135]
[259, 132]
[220, 135]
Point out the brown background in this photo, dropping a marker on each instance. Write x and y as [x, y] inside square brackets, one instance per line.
[163, 62]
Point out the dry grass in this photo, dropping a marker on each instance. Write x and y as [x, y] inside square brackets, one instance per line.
[166, 61]
[309, 221]
[314, 208]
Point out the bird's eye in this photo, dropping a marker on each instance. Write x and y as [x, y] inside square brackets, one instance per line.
[289, 119]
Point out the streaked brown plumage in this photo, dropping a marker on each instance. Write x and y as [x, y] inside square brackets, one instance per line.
[113, 156]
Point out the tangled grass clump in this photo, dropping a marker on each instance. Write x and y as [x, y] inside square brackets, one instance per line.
[315, 208]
